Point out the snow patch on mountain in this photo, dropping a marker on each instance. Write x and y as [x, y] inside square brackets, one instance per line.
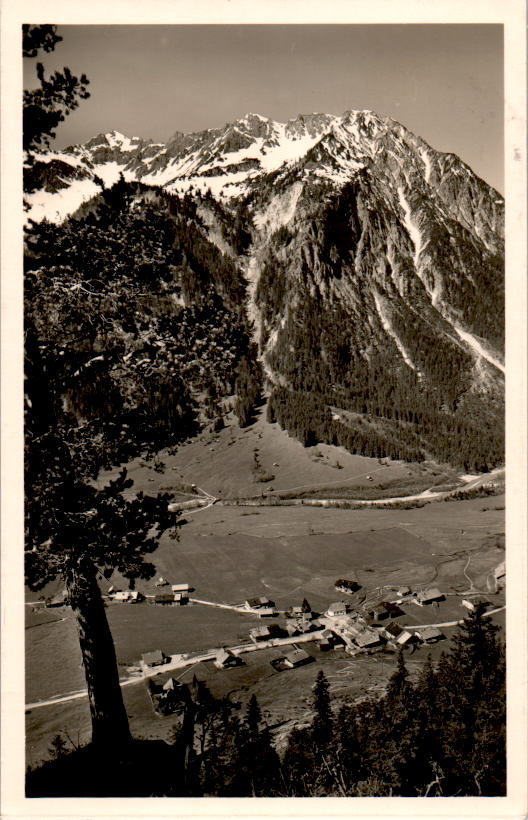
[427, 163]
[56, 207]
[477, 347]
[387, 327]
[110, 171]
[280, 210]
[117, 140]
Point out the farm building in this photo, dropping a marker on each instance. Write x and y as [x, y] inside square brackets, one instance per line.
[171, 685]
[397, 634]
[393, 610]
[336, 609]
[429, 634]
[259, 603]
[170, 697]
[130, 596]
[297, 658]
[260, 633]
[226, 659]
[121, 595]
[472, 603]
[500, 571]
[329, 640]
[135, 597]
[166, 598]
[299, 612]
[180, 587]
[378, 612]
[428, 596]
[156, 658]
[367, 639]
[499, 575]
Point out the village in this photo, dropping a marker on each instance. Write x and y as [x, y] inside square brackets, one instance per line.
[358, 625]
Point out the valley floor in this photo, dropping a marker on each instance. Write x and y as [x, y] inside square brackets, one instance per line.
[286, 553]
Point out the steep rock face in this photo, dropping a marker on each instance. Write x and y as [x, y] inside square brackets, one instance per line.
[374, 263]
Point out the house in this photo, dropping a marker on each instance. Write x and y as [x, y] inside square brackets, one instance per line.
[156, 658]
[121, 595]
[403, 591]
[329, 640]
[166, 598]
[292, 628]
[429, 634]
[500, 571]
[499, 575]
[473, 603]
[378, 612]
[135, 597]
[180, 587]
[260, 633]
[226, 659]
[391, 631]
[297, 658]
[180, 598]
[367, 639]
[427, 596]
[397, 634]
[171, 685]
[393, 610]
[259, 603]
[337, 609]
[298, 612]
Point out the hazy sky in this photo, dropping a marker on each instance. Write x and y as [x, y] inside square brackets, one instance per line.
[444, 82]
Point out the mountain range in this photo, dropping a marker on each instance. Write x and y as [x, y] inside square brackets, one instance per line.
[370, 266]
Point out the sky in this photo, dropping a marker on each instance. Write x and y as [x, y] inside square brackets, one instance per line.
[443, 82]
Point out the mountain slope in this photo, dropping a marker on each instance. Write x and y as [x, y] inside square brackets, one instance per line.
[373, 270]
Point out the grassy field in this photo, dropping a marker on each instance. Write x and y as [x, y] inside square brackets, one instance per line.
[230, 553]
[223, 464]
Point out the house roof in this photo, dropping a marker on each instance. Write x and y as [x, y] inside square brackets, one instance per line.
[224, 655]
[297, 656]
[430, 632]
[180, 587]
[153, 657]
[164, 596]
[391, 607]
[259, 630]
[366, 638]
[261, 601]
[338, 605]
[171, 684]
[430, 594]
[393, 629]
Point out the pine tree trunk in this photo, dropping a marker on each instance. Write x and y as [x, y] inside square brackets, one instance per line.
[110, 730]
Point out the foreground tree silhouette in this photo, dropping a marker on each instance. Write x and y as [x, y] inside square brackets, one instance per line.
[74, 530]
[47, 105]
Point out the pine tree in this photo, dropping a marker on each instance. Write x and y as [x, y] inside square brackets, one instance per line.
[322, 724]
[47, 105]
